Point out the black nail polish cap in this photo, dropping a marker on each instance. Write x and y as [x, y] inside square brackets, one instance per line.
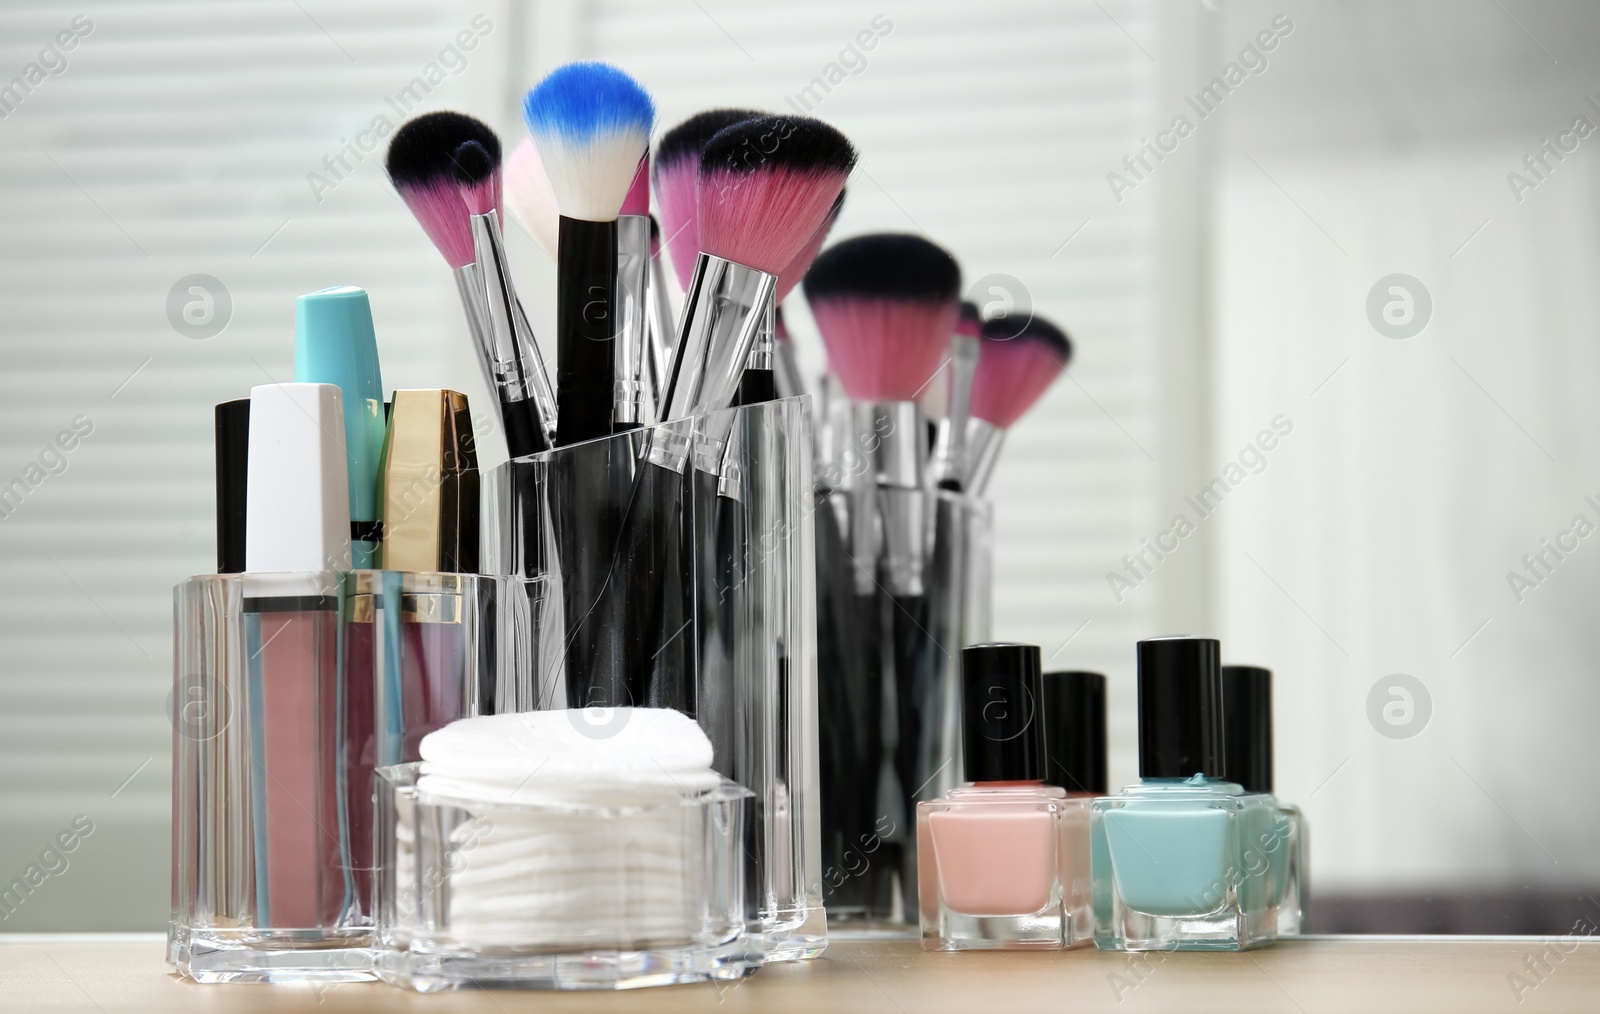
[1075, 731]
[233, 457]
[1180, 707]
[1001, 701]
[1247, 726]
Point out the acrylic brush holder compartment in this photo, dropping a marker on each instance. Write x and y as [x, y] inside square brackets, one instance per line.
[672, 566]
[889, 689]
[558, 895]
[289, 691]
[265, 873]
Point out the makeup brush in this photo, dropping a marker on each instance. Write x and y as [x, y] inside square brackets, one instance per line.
[771, 357]
[949, 466]
[529, 197]
[631, 406]
[438, 162]
[677, 174]
[886, 305]
[1016, 365]
[591, 124]
[765, 186]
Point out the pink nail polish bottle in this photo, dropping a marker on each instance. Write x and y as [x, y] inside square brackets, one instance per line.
[994, 857]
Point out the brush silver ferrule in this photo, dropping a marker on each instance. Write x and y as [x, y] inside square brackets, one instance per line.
[629, 406]
[984, 440]
[544, 397]
[659, 331]
[760, 355]
[730, 473]
[721, 314]
[858, 477]
[950, 445]
[786, 375]
[507, 343]
[894, 433]
[711, 440]
[469, 284]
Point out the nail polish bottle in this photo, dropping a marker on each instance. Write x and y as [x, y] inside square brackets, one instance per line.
[1075, 761]
[992, 857]
[1168, 855]
[1247, 760]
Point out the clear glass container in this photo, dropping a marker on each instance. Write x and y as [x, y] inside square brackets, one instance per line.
[672, 566]
[476, 894]
[293, 689]
[264, 873]
[1004, 867]
[889, 683]
[1288, 856]
[1179, 864]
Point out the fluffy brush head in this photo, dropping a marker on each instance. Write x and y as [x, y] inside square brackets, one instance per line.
[886, 305]
[591, 124]
[638, 200]
[766, 186]
[478, 178]
[676, 170]
[790, 276]
[422, 165]
[970, 324]
[1016, 365]
[529, 198]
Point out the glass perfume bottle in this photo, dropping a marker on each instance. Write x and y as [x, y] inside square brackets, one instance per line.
[1075, 761]
[994, 857]
[1247, 760]
[1169, 856]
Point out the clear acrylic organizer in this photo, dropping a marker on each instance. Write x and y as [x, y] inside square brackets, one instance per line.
[889, 683]
[476, 894]
[672, 566]
[289, 690]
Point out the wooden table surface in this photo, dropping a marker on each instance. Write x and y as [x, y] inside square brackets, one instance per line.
[127, 973]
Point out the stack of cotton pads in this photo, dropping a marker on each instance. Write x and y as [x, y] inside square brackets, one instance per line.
[584, 833]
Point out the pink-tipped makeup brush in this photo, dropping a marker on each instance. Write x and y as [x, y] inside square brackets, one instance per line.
[1015, 367]
[677, 175]
[446, 167]
[886, 305]
[949, 466]
[772, 369]
[765, 186]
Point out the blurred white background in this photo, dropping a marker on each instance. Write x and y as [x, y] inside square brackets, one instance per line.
[1207, 293]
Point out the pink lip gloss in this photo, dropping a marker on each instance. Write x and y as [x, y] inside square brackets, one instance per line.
[995, 857]
[297, 530]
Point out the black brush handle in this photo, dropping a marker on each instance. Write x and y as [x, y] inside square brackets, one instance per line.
[585, 514]
[755, 387]
[586, 297]
[523, 433]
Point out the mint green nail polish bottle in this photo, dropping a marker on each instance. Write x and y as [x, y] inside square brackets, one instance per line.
[1170, 857]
